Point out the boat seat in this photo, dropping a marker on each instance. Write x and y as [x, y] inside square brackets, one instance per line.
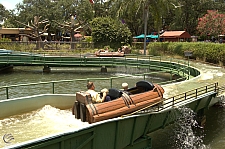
[114, 93]
[135, 90]
[147, 86]
[83, 97]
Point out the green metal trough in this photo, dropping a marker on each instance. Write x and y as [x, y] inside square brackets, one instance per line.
[125, 132]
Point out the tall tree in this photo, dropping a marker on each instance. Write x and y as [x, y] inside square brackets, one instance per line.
[161, 13]
[36, 31]
[130, 13]
[133, 11]
[55, 11]
[3, 13]
[186, 16]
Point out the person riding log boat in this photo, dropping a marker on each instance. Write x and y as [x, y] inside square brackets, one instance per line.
[140, 96]
[102, 53]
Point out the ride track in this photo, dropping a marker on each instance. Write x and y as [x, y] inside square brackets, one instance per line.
[89, 60]
[128, 131]
[153, 63]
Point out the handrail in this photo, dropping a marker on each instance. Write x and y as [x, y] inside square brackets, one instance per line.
[171, 102]
[192, 94]
[111, 79]
[151, 62]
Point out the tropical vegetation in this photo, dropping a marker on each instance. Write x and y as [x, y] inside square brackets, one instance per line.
[112, 21]
[162, 14]
[202, 51]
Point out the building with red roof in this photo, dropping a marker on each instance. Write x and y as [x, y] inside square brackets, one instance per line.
[175, 36]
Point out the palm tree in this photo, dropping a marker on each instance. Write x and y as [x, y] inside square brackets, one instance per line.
[148, 8]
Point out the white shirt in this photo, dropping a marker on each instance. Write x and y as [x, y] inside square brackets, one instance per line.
[95, 96]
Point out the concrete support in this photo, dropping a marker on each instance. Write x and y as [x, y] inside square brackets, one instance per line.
[103, 69]
[201, 117]
[46, 69]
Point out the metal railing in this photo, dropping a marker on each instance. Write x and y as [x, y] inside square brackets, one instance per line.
[174, 101]
[131, 60]
[158, 64]
[53, 84]
[192, 94]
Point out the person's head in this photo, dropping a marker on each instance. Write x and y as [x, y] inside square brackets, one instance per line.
[125, 86]
[90, 85]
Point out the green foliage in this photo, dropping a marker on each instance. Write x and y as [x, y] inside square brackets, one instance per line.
[155, 48]
[109, 32]
[137, 45]
[5, 40]
[212, 23]
[209, 52]
[3, 13]
[88, 39]
[162, 14]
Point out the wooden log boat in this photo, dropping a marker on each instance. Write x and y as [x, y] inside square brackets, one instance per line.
[109, 54]
[123, 102]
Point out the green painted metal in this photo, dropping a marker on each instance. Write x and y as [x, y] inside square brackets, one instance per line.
[196, 107]
[154, 64]
[111, 80]
[129, 131]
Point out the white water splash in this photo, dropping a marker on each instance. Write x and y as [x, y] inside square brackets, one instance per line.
[222, 100]
[184, 136]
[45, 121]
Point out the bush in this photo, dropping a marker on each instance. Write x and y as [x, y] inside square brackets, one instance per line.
[209, 52]
[5, 40]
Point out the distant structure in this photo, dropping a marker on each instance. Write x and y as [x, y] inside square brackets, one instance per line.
[14, 33]
[36, 33]
[175, 36]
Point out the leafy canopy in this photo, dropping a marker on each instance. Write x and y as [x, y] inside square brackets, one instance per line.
[212, 23]
[110, 32]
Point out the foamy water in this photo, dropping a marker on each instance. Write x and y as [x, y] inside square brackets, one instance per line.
[184, 136]
[45, 121]
[209, 74]
[49, 120]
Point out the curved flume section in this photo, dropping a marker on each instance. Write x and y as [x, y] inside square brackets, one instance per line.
[51, 120]
[208, 74]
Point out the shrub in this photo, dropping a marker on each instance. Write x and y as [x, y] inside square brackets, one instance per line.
[209, 52]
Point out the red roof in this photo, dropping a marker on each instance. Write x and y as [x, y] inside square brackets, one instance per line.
[175, 34]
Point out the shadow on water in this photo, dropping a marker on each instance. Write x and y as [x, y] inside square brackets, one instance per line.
[214, 129]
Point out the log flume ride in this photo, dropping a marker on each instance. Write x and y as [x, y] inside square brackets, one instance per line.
[109, 54]
[123, 102]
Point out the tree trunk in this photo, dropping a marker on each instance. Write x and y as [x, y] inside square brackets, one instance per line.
[72, 39]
